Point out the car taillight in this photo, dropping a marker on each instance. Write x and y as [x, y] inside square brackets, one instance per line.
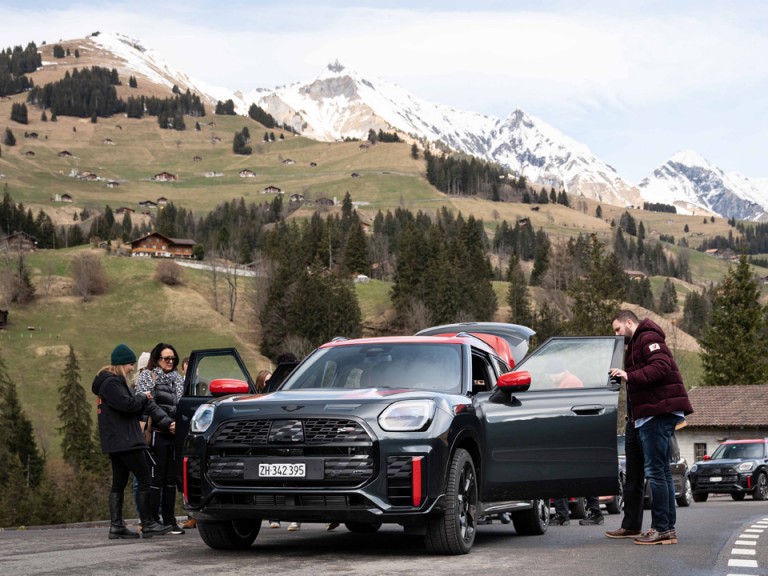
[416, 480]
[184, 481]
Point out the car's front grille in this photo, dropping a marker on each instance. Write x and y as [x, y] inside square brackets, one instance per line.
[337, 452]
[309, 430]
[193, 481]
[718, 471]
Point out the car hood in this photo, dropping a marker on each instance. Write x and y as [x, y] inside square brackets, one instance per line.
[722, 462]
[360, 396]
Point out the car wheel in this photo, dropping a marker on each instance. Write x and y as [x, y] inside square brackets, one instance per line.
[533, 522]
[363, 527]
[700, 496]
[578, 508]
[616, 505]
[686, 497]
[229, 535]
[761, 487]
[453, 532]
[738, 496]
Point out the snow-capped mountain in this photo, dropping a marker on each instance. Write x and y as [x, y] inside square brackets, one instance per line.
[695, 185]
[341, 103]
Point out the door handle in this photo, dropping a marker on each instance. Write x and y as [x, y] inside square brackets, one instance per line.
[588, 410]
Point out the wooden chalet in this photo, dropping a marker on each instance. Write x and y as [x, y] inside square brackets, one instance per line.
[65, 154]
[157, 245]
[245, 173]
[18, 242]
[272, 190]
[165, 177]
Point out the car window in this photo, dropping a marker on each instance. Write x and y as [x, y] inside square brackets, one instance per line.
[756, 450]
[213, 367]
[419, 366]
[562, 363]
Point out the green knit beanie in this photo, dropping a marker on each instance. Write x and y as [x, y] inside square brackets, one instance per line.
[122, 355]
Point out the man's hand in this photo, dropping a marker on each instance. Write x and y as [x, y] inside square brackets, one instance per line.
[617, 373]
[172, 428]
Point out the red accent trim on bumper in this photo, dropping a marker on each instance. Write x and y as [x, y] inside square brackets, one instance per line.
[185, 487]
[416, 480]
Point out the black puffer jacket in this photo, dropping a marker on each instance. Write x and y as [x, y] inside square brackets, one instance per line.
[119, 411]
[162, 385]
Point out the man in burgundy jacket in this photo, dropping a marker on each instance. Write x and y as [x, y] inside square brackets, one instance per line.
[657, 401]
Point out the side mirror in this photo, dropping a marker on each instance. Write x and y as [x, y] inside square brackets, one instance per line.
[707, 457]
[227, 386]
[512, 382]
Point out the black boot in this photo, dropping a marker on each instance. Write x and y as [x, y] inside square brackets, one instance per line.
[117, 527]
[149, 527]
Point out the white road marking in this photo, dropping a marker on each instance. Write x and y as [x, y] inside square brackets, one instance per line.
[744, 551]
[742, 563]
[745, 543]
[755, 536]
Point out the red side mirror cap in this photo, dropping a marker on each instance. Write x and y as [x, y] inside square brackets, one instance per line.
[227, 386]
[707, 457]
[514, 381]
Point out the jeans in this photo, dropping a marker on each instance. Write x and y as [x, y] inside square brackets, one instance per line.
[655, 435]
[634, 480]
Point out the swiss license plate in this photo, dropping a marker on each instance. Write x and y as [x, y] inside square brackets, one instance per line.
[715, 478]
[284, 470]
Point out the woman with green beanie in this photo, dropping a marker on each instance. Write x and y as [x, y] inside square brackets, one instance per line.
[121, 437]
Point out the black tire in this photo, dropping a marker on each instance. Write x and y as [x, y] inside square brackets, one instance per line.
[700, 496]
[533, 522]
[616, 505]
[229, 535]
[363, 527]
[761, 487]
[453, 532]
[738, 496]
[686, 496]
[578, 508]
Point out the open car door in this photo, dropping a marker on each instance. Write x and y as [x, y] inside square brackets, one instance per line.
[550, 426]
[204, 367]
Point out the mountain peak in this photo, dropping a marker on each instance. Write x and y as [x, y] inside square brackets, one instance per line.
[691, 158]
[336, 67]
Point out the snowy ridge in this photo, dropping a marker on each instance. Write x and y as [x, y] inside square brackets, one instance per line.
[340, 102]
[695, 185]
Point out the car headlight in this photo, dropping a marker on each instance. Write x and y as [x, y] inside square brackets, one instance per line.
[745, 466]
[407, 416]
[203, 417]
[693, 469]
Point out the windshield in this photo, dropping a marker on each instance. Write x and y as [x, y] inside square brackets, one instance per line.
[419, 366]
[754, 450]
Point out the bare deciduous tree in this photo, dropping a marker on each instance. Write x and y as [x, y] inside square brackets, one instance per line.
[89, 276]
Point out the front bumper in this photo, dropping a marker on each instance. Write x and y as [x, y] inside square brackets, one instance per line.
[356, 476]
[732, 483]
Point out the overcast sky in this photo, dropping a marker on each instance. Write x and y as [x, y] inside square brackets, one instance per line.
[635, 81]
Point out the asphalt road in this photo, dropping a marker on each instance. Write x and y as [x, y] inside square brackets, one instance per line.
[718, 537]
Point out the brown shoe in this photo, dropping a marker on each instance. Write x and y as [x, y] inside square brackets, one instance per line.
[623, 533]
[191, 523]
[653, 537]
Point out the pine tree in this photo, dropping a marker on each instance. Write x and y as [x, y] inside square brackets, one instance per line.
[19, 434]
[517, 295]
[735, 343]
[598, 290]
[414, 151]
[599, 212]
[75, 417]
[356, 258]
[668, 298]
[9, 139]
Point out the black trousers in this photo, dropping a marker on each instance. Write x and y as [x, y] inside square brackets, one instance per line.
[123, 463]
[634, 482]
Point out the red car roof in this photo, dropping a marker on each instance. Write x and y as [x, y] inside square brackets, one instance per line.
[479, 342]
